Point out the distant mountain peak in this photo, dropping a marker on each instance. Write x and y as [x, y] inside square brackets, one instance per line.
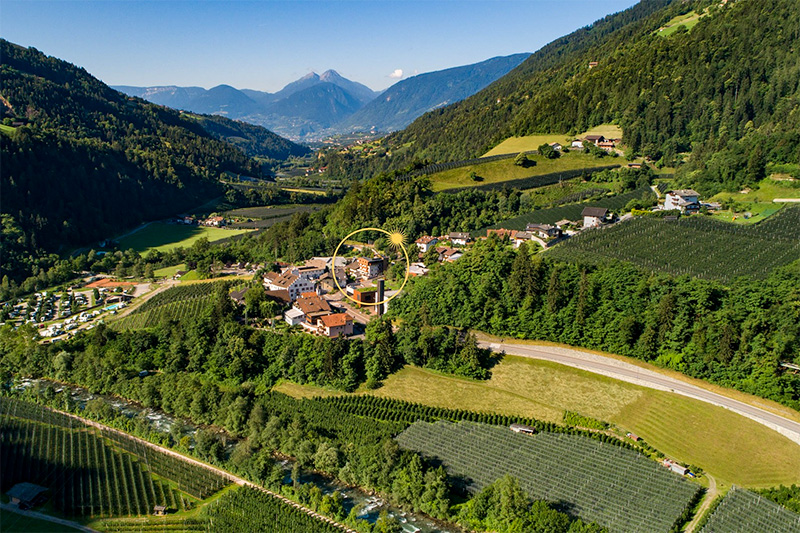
[330, 75]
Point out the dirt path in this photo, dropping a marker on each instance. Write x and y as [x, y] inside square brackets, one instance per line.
[711, 495]
[141, 299]
[227, 475]
[34, 514]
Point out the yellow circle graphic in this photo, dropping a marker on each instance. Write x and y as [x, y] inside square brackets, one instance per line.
[395, 242]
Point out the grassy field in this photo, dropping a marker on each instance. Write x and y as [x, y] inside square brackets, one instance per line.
[7, 129]
[506, 170]
[13, 522]
[164, 237]
[758, 212]
[532, 142]
[768, 189]
[168, 272]
[307, 191]
[732, 448]
[689, 20]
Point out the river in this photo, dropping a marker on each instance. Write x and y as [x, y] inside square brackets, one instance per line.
[369, 507]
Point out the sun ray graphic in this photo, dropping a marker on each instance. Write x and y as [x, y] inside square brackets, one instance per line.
[396, 239]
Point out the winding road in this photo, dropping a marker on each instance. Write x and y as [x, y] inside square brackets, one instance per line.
[631, 373]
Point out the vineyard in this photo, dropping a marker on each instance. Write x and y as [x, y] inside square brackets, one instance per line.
[695, 246]
[175, 303]
[92, 471]
[569, 212]
[539, 180]
[742, 511]
[613, 486]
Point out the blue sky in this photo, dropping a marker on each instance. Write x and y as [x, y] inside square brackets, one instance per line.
[266, 44]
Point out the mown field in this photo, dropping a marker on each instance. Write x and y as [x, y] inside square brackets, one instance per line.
[15, 523]
[505, 170]
[685, 429]
[532, 142]
[599, 482]
[164, 237]
[696, 246]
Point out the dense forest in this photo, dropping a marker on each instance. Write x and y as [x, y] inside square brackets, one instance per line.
[734, 335]
[721, 97]
[82, 162]
[254, 141]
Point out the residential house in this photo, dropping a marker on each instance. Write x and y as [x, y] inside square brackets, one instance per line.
[327, 283]
[595, 139]
[426, 242]
[452, 255]
[520, 237]
[365, 295]
[544, 231]
[292, 283]
[238, 296]
[556, 146]
[685, 200]
[502, 233]
[335, 325]
[312, 306]
[593, 216]
[370, 267]
[577, 144]
[606, 145]
[459, 238]
[214, 221]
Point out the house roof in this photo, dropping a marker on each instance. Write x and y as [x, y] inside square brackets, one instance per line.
[425, 239]
[335, 319]
[294, 313]
[524, 235]
[25, 492]
[369, 260]
[285, 280]
[239, 295]
[563, 222]
[312, 305]
[281, 295]
[684, 192]
[317, 263]
[544, 227]
[459, 235]
[595, 138]
[271, 276]
[594, 212]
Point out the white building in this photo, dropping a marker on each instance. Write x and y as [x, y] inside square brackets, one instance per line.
[294, 316]
[593, 216]
[460, 238]
[685, 200]
[426, 243]
[292, 283]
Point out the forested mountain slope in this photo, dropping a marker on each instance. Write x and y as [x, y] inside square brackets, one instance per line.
[727, 91]
[89, 161]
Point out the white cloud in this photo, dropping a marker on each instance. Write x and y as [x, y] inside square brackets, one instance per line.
[397, 74]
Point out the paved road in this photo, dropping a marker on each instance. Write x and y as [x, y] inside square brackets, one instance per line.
[623, 371]
[42, 516]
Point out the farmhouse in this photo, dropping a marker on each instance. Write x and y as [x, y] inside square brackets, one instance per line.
[595, 139]
[214, 221]
[556, 146]
[238, 296]
[593, 216]
[335, 325]
[520, 237]
[686, 200]
[545, 231]
[426, 242]
[459, 238]
[577, 143]
[606, 145]
[370, 267]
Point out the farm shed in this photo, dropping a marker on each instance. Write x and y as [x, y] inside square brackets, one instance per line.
[26, 494]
